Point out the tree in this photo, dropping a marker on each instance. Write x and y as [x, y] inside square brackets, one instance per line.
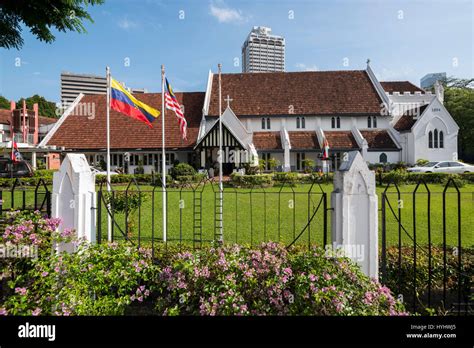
[459, 101]
[40, 16]
[4, 103]
[45, 108]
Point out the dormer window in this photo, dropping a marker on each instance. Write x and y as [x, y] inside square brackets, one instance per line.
[372, 122]
[335, 122]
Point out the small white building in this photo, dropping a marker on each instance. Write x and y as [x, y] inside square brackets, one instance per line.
[285, 116]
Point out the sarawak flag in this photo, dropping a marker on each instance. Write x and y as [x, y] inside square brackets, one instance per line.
[16, 155]
[122, 101]
[172, 104]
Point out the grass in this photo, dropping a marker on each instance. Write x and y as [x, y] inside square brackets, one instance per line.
[280, 214]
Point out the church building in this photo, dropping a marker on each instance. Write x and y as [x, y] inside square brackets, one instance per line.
[284, 116]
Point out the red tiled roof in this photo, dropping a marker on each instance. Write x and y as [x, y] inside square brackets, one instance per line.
[341, 140]
[378, 139]
[267, 140]
[408, 120]
[300, 140]
[6, 114]
[298, 93]
[83, 132]
[400, 86]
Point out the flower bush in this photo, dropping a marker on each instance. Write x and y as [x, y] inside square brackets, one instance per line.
[96, 280]
[269, 280]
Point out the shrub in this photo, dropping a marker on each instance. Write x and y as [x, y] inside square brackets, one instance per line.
[403, 280]
[182, 169]
[240, 180]
[268, 280]
[421, 161]
[288, 178]
[308, 165]
[96, 280]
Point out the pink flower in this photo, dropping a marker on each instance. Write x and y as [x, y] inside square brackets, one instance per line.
[3, 311]
[21, 291]
[36, 312]
[44, 274]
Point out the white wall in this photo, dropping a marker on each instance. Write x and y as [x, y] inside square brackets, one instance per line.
[374, 156]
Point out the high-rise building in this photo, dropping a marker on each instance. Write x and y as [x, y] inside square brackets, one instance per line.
[263, 52]
[429, 80]
[73, 84]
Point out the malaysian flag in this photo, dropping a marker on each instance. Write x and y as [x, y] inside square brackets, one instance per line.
[171, 103]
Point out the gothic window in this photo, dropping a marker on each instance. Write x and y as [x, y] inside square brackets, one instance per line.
[430, 139]
[297, 122]
[263, 123]
[369, 122]
[338, 120]
[303, 123]
[268, 123]
[333, 122]
[383, 158]
[441, 140]
[374, 123]
[435, 139]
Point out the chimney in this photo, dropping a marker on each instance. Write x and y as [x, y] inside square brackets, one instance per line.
[439, 91]
[35, 134]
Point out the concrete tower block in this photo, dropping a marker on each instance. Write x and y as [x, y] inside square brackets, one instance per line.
[74, 198]
[355, 216]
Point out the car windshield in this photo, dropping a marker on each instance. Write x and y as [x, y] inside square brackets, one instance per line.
[429, 164]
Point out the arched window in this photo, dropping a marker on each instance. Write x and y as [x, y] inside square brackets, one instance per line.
[375, 122]
[263, 123]
[297, 122]
[383, 158]
[435, 139]
[441, 140]
[268, 123]
[338, 122]
[430, 139]
[369, 122]
[333, 122]
[303, 122]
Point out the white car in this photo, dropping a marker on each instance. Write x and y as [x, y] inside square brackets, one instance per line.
[449, 167]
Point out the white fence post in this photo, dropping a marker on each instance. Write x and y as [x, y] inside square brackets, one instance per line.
[355, 213]
[74, 198]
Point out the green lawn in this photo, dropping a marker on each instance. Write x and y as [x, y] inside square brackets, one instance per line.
[280, 214]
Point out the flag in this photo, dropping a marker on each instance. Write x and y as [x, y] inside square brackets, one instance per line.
[325, 149]
[122, 101]
[16, 155]
[172, 104]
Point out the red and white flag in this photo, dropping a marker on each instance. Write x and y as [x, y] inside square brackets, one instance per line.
[16, 155]
[172, 103]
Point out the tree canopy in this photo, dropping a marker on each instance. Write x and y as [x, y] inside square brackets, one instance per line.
[45, 108]
[459, 101]
[4, 103]
[41, 16]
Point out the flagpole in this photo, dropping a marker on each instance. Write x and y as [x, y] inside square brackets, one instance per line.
[163, 163]
[220, 157]
[109, 219]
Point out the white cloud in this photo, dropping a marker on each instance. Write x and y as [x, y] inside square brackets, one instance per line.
[127, 24]
[305, 67]
[225, 14]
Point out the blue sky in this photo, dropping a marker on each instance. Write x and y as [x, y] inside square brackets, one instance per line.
[404, 40]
